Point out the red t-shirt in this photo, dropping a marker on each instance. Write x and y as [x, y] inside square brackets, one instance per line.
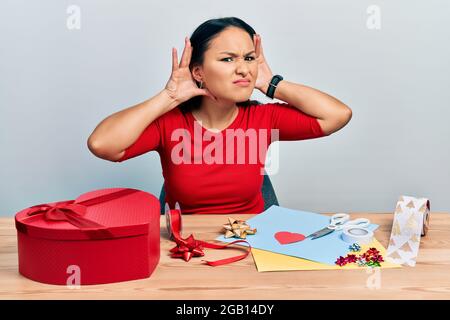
[209, 172]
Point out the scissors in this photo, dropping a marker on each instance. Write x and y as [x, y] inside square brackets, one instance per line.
[339, 221]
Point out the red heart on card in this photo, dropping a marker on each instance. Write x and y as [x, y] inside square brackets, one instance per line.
[285, 237]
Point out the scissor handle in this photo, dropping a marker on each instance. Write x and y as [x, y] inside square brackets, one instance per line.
[338, 219]
[360, 222]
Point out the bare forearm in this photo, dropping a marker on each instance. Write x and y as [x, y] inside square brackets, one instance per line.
[311, 101]
[121, 129]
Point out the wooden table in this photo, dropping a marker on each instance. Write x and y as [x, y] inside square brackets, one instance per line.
[176, 279]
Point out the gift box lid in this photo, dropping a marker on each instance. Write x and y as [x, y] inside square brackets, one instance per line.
[99, 214]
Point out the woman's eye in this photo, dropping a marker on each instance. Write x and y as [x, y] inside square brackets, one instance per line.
[251, 58]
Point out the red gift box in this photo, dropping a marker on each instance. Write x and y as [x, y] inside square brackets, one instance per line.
[103, 236]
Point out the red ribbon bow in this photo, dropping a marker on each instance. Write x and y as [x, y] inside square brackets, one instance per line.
[73, 212]
[189, 247]
[64, 211]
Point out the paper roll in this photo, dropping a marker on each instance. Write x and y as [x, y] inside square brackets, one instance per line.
[411, 221]
[355, 234]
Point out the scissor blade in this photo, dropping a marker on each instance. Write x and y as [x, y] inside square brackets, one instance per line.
[321, 233]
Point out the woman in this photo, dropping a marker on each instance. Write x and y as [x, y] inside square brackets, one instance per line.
[206, 100]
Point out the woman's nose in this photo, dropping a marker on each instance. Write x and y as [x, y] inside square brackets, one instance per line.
[241, 67]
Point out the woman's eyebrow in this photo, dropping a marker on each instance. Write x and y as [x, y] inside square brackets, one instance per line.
[234, 54]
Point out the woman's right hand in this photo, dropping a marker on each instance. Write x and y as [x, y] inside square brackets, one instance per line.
[181, 86]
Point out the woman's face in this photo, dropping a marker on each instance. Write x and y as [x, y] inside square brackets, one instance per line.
[230, 57]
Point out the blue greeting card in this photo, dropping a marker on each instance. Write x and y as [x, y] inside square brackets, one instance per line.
[277, 219]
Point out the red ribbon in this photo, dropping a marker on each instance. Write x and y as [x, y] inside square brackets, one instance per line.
[64, 211]
[72, 211]
[190, 247]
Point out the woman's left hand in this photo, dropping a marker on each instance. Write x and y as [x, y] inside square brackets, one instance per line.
[264, 72]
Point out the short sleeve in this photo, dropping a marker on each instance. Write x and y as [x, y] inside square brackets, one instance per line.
[149, 140]
[292, 123]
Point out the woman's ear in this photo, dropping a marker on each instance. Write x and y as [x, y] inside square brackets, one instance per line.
[196, 73]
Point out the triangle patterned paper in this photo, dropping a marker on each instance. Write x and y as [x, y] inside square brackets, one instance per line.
[423, 207]
[411, 224]
[396, 229]
[395, 255]
[414, 238]
[410, 205]
[406, 247]
[407, 229]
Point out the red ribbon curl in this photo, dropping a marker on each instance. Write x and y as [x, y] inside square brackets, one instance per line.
[190, 247]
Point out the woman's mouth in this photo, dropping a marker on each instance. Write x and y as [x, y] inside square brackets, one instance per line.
[242, 83]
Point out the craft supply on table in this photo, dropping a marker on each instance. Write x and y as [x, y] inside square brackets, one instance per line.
[189, 247]
[355, 247]
[370, 258]
[267, 261]
[93, 234]
[339, 221]
[356, 234]
[411, 222]
[286, 237]
[276, 220]
[172, 225]
[237, 229]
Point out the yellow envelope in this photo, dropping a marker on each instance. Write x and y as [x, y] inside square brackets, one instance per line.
[270, 261]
